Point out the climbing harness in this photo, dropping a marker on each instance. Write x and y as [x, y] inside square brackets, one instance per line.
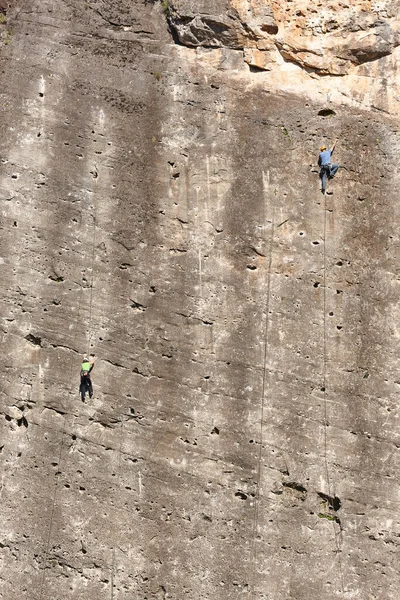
[325, 175]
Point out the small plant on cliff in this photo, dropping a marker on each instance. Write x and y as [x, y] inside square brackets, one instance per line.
[3, 18]
[329, 517]
[324, 516]
[166, 8]
[157, 75]
[8, 38]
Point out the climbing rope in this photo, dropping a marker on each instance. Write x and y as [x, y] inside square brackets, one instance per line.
[253, 550]
[92, 282]
[112, 577]
[53, 505]
[324, 379]
[43, 579]
[324, 362]
[112, 573]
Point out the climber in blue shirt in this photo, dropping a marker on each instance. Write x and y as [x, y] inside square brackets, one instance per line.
[328, 170]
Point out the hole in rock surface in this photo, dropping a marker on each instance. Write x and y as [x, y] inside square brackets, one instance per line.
[326, 112]
[272, 29]
[332, 501]
[56, 278]
[33, 339]
[241, 495]
[255, 69]
[294, 486]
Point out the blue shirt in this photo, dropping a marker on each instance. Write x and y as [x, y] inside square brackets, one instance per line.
[324, 158]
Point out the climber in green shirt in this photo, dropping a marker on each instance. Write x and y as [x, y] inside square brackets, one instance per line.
[86, 383]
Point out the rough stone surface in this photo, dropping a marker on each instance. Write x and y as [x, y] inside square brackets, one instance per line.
[322, 37]
[160, 207]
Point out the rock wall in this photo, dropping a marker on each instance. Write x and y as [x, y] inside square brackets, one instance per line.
[160, 207]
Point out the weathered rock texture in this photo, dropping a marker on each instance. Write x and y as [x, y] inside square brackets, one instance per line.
[160, 206]
[324, 37]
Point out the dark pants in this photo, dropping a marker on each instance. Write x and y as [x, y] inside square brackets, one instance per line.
[327, 171]
[85, 386]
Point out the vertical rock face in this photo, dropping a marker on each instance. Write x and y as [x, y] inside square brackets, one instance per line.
[323, 37]
[160, 207]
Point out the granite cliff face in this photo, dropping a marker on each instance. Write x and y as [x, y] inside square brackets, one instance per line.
[160, 207]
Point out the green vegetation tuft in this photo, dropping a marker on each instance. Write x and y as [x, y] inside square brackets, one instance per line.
[157, 75]
[325, 516]
[329, 517]
[166, 8]
[3, 18]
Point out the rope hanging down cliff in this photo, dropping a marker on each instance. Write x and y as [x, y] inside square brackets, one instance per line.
[91, 261]
[324, 389]
[253, 550]
[53, 504]
[92, 279]
[113, 571]
[43, 579]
